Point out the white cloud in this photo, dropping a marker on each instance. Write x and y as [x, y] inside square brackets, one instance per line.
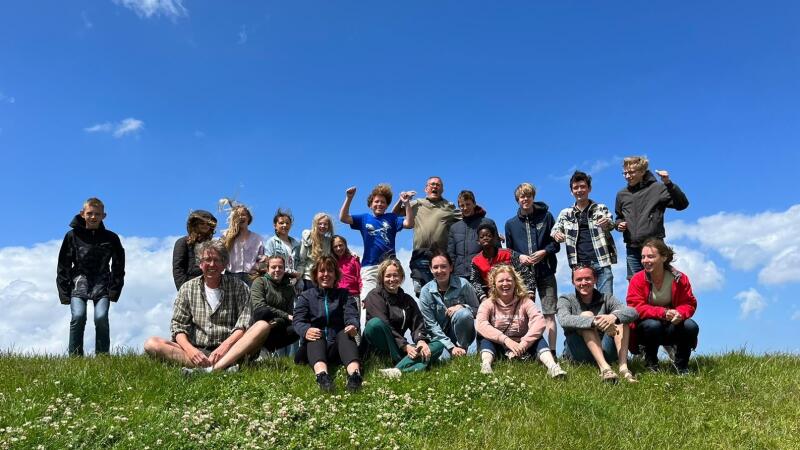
[7, 99]
[770, 240]
[172, 9]
[242, 35]
[590, 167]
[118, 130]
[750, 302]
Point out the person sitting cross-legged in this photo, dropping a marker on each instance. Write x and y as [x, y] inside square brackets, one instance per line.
[595, 326]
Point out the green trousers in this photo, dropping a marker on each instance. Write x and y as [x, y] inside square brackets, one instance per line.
[380, 339]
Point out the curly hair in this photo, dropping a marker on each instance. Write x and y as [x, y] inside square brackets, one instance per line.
[382, 189]
[520, 291]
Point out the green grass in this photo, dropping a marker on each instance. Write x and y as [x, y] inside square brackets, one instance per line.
[130, 401]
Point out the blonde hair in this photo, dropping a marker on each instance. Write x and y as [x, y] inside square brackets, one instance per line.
[316, 240]
[520, 291]
[524, 189]
[94, 201]
[385, 266]
[635, 163]
[237, 212]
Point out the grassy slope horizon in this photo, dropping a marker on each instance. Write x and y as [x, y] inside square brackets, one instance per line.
[733, 400]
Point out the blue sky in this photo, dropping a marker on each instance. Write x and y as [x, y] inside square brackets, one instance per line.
[163, 106]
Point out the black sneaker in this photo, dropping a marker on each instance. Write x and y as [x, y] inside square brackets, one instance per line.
[325, 382]
[354, 381]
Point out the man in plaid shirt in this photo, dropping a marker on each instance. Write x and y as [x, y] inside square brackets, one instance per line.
[586, 229]
[210, 318]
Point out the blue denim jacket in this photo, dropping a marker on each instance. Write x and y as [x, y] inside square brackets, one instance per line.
[433, 306]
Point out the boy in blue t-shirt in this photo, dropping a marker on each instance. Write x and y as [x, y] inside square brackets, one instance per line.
[378, 230]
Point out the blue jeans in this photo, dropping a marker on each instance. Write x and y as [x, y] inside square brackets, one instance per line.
[77, 324]
[634, 259]
[652, 332]
[485, 345]
[575, 349]
[605, 279]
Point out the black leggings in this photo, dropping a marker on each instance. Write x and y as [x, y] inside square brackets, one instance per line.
[280, 336]
[342, 350]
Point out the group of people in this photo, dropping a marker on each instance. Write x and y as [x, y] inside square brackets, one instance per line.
[241, 295]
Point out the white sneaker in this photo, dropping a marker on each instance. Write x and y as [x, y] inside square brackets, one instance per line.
[556, 372]
[232, 369]
[486, 368]
[391, 373]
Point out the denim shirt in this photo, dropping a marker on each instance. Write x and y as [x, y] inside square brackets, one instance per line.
[433, 306]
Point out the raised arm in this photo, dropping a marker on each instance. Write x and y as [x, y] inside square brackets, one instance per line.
[344, 212]
[405, 198]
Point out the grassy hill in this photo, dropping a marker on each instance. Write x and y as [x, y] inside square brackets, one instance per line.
[130, 401]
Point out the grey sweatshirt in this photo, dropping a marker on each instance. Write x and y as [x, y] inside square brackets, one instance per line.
[570, 307]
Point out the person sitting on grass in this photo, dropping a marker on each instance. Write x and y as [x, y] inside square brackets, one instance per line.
[272, 296]
[390, 313]
[595, 326]
[210, 319]
[327, 320]
[490, 256]
[663, 298]
[510, 324]
[448, 304]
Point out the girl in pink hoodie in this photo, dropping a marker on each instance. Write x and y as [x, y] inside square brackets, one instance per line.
[510, 324]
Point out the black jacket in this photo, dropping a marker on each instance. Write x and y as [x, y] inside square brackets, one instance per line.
[462, 242]
[399, 311]
[642, 206]
[83, 264]
[184, 262]
[271, 300]
[309, 312]
[528, 233]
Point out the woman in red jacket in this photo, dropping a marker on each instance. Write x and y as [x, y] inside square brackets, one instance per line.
[664, 300]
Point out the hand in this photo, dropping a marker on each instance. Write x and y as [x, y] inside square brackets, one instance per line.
[677, 318]
[538, 256]
[291, 317]
[601, 222]
[559, 236]
[517, 348]
[350, 192]
[199, 359]
[526, 260]
[219, 352]
[458, 351]
[452, 310]
[351, 330]
[313, 334]
[622, 226]
[604, 322]
[423, 350]
[406, 196]
[670, 314]
[664, 176]
[411, 351]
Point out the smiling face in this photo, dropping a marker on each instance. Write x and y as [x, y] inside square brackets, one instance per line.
[276, 268]
[326, 276]
[580, 190]
[434, 188]
[583, 279]
[652, 260]
[93, 215]
[211, 265]
[282, 226]
[339, 247]
[633, 175]
[504, 284]
[392, 279]
[441, 269]
[323, 225]
[525, 202]
[378, 205]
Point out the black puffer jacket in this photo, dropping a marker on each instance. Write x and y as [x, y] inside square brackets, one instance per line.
[642, 206]
[462, 241]
[399, 311]
[83, 264]
[528, 233]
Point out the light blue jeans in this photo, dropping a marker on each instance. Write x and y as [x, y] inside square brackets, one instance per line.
[77, 324]
[605, 279]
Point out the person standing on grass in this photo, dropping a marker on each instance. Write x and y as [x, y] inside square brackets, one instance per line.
[433, 216]
[245, 246]
[663, 298]
[284, 245]
[586, 229]
[210, 319]
[314, 244]
[91, 267]
[448, 304]
[185, 265]
[272, 299]
[509, 324]
[390, 314]
[326, 319]
[595, 326]
[529, 234]
[490, 256]
[378, 229]
[462, 240]
[640, 207]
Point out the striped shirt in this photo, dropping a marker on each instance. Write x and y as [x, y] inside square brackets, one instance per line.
[204, 326]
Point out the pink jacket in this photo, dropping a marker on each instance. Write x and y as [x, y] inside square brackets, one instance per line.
[496, 321]
[350, 267]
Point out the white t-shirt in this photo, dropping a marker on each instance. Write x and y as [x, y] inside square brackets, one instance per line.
[213, 297]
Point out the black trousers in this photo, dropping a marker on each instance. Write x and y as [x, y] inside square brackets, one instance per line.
[342, 350]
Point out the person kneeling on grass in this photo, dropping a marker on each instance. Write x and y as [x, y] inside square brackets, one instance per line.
[326, 318]
[210, 319]
[390, 313]
[595, 326]
[272, 297]
[509, 323]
